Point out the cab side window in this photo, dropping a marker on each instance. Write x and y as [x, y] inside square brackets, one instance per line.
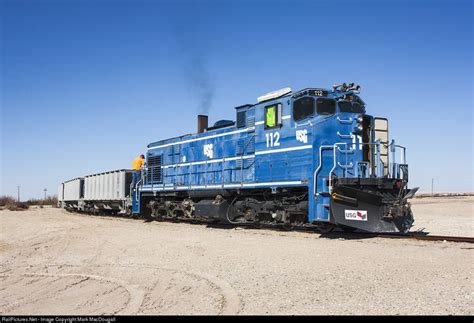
[272, 116]
[303, 108]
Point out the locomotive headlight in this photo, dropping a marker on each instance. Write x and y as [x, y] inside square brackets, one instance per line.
[360, 118]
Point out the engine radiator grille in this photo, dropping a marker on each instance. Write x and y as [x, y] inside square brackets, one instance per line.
[154, 170]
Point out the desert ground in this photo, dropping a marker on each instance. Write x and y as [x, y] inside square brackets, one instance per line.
[56, 262]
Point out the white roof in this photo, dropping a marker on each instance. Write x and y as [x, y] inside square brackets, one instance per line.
[273, 94]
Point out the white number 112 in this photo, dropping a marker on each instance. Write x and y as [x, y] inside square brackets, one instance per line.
[273, 139]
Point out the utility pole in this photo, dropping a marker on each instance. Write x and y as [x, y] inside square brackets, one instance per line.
[45, 193]
[18, 193]
[432, 184]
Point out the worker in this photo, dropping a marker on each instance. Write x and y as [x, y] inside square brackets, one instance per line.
[136, 167]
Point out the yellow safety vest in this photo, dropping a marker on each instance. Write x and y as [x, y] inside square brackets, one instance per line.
[270, 120]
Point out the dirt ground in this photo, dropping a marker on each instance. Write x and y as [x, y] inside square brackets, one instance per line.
[55, 262]
[444, 215]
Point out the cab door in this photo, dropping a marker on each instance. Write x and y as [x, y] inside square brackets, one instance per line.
[380, 128]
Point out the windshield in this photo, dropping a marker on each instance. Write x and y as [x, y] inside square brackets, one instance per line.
[303, 108]
[347, 106]
[325, 106]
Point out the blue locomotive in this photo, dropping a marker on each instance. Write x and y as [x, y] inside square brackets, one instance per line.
[311, 158]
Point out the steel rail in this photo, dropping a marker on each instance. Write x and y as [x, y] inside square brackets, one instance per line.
[305, 228]
[410, 235]
[428, 237]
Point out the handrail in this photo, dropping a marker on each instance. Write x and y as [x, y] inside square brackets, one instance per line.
[345, 121]
[346, 151]
[222, 172]
[338, 148]
[316, 171]
[350, 165]
[242, 159]
[349, 136]
[378, 163]
[402, 156]
[334, 161]
[138, 182]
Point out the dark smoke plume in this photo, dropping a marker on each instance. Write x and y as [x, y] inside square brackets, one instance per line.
[200, 83]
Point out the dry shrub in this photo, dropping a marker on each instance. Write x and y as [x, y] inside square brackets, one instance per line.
[6, 200]
[18, 206]
[50, 200]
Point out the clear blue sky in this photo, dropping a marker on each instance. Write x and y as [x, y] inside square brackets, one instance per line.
[86, 85]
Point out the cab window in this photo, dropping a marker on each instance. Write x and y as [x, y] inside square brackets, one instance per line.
[272, 116]
[347, 106]
[303, 108]
[357, 107]
[325, 106]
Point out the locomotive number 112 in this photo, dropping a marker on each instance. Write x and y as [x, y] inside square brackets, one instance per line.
[273, 139]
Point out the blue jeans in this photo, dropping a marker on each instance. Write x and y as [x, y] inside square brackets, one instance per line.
[136, 175]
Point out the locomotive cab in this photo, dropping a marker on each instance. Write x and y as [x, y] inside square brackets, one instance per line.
[371, 192]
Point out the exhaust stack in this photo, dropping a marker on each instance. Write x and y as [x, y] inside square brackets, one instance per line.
[202, 123]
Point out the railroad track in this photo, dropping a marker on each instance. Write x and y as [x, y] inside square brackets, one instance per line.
[358, 235]
[412, 235]
[428, 237]
[344, 235]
